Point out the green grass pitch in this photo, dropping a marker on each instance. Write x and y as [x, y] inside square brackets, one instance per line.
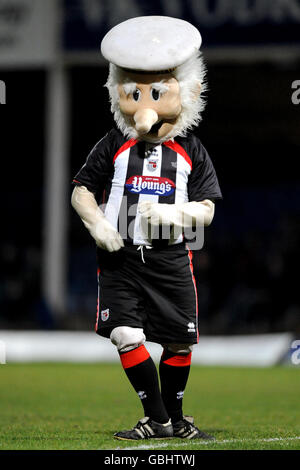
[80, 406]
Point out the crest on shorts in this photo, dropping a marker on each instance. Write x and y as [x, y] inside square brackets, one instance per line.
[105, 314]
[152, 164]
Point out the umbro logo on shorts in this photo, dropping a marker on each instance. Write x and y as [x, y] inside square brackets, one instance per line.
[191, 327]
[142, 395]
[155, 185]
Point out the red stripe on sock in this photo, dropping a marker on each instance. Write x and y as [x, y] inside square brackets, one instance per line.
[179, 360]
[134, 357]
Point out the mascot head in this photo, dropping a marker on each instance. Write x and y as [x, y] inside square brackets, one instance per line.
[156, 77]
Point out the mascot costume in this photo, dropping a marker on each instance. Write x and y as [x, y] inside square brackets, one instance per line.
[156, 182]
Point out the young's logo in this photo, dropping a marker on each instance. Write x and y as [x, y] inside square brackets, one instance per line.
[154, 185]
[105, 314]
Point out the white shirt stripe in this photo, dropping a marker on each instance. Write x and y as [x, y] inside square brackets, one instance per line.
[113, 205]
[148, 170]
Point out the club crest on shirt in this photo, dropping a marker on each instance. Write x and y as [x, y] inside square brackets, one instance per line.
[154, 185]
[152, 164]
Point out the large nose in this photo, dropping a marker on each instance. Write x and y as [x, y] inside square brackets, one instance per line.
[144, 120]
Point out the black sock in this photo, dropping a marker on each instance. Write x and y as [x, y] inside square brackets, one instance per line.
[174, 372]
[141, 371]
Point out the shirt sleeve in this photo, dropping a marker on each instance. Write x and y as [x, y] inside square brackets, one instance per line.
[98, 167]
[203, 182]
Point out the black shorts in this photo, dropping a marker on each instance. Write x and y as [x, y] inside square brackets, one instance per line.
[158, 295]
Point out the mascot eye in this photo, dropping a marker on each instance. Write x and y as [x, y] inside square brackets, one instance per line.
[155, 95]
[136, 95]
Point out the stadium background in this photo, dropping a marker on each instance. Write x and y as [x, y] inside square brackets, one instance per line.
[247, 273]
[56, 109]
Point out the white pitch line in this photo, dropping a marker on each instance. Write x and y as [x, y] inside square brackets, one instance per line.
[205, 443]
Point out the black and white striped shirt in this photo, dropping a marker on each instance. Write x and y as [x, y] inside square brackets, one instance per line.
[121, 173]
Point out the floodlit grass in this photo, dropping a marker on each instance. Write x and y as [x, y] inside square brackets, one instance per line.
[80, 406]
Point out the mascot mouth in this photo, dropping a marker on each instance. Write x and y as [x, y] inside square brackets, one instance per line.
[155, 128]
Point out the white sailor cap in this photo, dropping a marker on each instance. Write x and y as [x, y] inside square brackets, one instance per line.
[151, 43]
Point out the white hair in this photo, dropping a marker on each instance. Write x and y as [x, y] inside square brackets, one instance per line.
[129, 88]
[189, 75]
[160, 86]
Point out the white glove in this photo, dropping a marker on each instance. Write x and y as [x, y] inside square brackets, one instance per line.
[105, 235]
[183, 215]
